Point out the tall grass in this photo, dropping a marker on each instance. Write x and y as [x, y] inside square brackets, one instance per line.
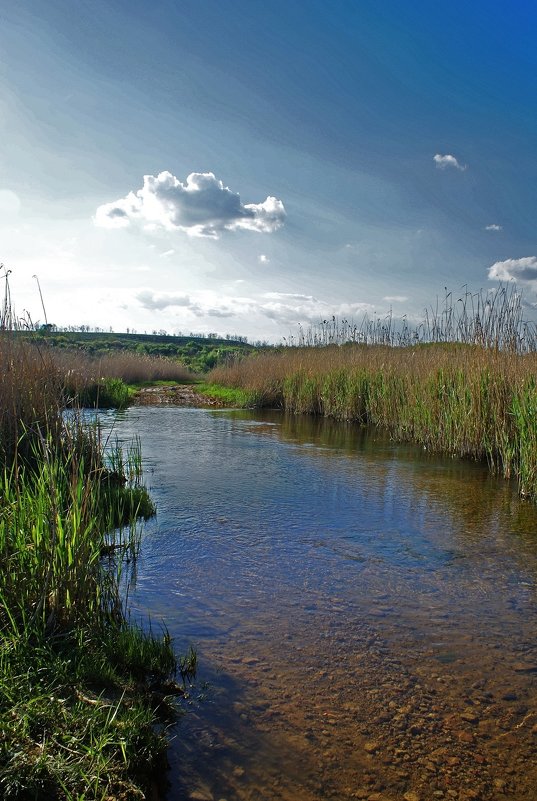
[76, 706]
[471, 400]
[132, 368]
[103, 381]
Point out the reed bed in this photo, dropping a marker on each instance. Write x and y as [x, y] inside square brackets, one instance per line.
[463, 400]
[132, 368]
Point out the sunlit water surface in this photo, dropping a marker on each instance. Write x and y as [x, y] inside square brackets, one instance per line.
[363, 612]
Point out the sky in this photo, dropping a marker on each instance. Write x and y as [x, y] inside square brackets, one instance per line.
[246, 166]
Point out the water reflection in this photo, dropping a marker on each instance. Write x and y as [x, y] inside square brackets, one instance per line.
[363, 611]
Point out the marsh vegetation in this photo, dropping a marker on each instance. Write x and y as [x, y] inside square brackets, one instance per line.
[461, 383]
[78, 681]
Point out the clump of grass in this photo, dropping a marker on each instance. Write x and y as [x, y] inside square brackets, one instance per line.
[105, 393]
[74, 722]
[229, 396]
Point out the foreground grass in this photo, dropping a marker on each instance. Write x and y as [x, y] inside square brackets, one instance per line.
[462, 400]
[78, 716]
[80, 687]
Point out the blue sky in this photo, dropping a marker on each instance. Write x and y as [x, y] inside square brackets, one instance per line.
[309, 131]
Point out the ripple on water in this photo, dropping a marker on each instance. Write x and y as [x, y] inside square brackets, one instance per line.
[364, 613]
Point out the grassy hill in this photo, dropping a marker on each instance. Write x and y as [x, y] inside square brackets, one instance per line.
[197, 353]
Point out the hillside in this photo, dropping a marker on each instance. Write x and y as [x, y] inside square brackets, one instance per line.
[198, 353]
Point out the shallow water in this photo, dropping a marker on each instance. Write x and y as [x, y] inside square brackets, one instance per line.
[363, 612]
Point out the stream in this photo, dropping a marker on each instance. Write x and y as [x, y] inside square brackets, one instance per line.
[363, 612]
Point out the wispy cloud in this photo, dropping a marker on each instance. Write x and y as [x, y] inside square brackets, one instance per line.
[289, 296]
[202, 206]
[443, 162]
[263, 259]
[493, 227]
[524, 270]
[395, 298]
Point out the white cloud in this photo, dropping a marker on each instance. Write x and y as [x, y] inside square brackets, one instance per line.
[156, 302]
[202, 206]
[167, 253]
[395, 298]
[448, 161]
[524, 269]
[262, 259]
[493, 227]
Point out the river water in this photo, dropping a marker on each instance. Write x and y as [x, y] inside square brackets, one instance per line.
[363, 612]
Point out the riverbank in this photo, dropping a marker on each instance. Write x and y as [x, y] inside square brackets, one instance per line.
[82, 688]
[463, 401]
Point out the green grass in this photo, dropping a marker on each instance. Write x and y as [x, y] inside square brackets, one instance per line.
[108, 393]
[74, 721]
[230, 396]
[79, 685]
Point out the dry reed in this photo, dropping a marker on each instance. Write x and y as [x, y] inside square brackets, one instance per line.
[463, 400]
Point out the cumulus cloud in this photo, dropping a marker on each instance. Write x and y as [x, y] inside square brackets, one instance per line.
[442, 162]
[202, 206]
[156, 302]
[524, 269]
[493, 227]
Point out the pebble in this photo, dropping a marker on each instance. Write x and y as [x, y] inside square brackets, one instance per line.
[465, 736]
[371, 746]
[201, 795]
[471, 717]
[525, 667]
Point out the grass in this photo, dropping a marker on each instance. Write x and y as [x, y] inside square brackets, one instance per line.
[230, 396]
[74, 721]
[80, 686]
[464, 398]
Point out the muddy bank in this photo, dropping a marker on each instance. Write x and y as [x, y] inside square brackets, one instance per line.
[176, 395]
